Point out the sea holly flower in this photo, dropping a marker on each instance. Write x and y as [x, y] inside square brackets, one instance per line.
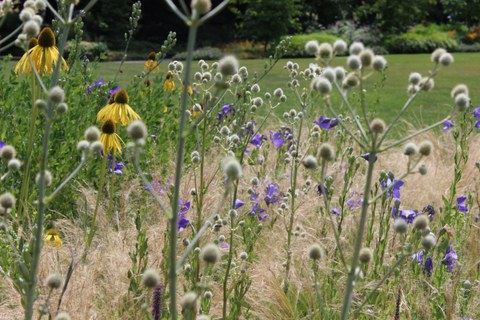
[461, 206]
[326, 123]
[182, 221]
[272, 196]
[450, 258]
[277, 139]
[447, 125]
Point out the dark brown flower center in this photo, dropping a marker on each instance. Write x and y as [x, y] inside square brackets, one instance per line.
[151, 56]
[46, 38]
[108, 127]
[121, 97]
[32, 43]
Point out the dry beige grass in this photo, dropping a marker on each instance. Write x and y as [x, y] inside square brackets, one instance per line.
[100, 285]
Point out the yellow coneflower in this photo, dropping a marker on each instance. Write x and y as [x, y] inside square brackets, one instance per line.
[189, 90]
[44, 55]
[109, 139]
[151, 64]
[169, 85]
[165, 109]
[119, 110]
[52, 238]
[197, 110]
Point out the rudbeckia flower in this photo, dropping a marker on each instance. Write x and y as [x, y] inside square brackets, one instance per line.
[169, 85]
[52, 238]
[44, 55]
[119, 111]
[151, 64]
[110, 139]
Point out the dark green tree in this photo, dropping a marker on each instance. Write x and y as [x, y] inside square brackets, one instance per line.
[266, 21]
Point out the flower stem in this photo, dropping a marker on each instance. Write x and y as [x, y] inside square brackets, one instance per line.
[192, 34]
[347, 301]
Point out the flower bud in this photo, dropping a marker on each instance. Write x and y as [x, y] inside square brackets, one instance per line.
[202, 6]
[232, 168]
[150, 278]
[315, 252]
[420, 222]
[425, 148]
[56, 94]
[354, 62]
[92, 134]
[365, 255]
[311, 47]
[326, 152]
[400, 226]
[54, 281]
[310, 162]
[377, 125]
[137, 130]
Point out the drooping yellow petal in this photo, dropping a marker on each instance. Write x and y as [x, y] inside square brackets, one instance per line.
[111, 142]
[169, 85]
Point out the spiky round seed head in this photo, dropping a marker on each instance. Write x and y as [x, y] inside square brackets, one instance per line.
[325, 51]
[243, 256]
[25, 15]
[437, 53]
[228, 65]
[420, 222]
[366, 57]
[137, 130]
[225, 131]
[315, 252]
[8, 152]
[39, 20]
[232, 168]
[365, 255]
[423, 169]
[189, 301]
[377, 125]
[95, 147]
[255, 88]
[311, 47]
[446, 59]
[48, 178]
[329, 74]
[208, 295]
[54, 281]
[61, 108]
[14, 164]
[425, 148]
[427, 85]
[354, 62]
[322, 85]
[339, 46]
[410, 149]
[356, 48]
[429, 241]
[202, 6]
[210, 253]
[150, 278]
[339, 73]
[414, 78]
[467, 284]
[56, 94]
[92, 134]
[326, 152]
[31, 28]
[412, 89]
[400, 226]
[41, 104]
[351, 80]
[462, 101]
[310, 162]
[7, 200]
[459, 88]
[379, 63]
[62, 316]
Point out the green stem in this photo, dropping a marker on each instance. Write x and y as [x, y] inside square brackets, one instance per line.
[347, 301]
[112, 185]
[227, 272]
[192, 34]
[30, 295]
[103, 167]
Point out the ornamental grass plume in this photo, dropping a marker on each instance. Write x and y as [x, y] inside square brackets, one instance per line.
[44, 55]
[110, 139]
[151, 65]
[119, 111]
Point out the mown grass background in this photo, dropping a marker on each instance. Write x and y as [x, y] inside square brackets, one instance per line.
[427, 109]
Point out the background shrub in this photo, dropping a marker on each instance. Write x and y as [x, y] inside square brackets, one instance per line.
[423, 39]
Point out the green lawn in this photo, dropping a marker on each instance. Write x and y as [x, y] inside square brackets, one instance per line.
[428, 107]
